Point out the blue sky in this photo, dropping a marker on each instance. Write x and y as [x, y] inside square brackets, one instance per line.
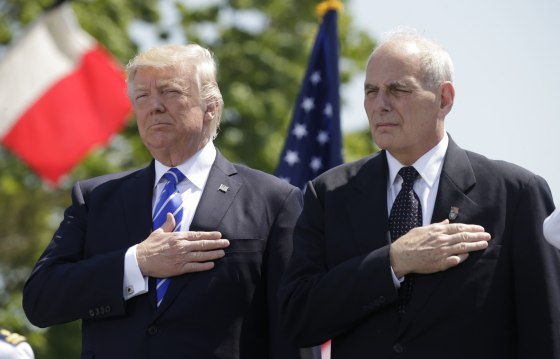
[507, 74]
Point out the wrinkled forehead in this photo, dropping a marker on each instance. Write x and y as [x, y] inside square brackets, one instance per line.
[157, 75]
[394, 61]
[177, 70]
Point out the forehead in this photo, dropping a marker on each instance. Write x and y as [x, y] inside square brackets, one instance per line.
[145, 76]
[393, 62]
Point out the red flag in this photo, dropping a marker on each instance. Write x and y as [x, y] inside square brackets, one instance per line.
[61, 94]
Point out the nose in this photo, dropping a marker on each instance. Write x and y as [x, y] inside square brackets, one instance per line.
[378, 102]
[382, 102]
[156, 104]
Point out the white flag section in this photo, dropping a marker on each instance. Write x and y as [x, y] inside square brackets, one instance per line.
[61, 94]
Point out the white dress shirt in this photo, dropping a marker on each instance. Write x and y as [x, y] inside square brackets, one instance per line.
[196, 170]
[429, 168]
[551, 228]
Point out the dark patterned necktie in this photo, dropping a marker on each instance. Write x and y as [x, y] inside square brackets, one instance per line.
[169, 202]
[406, 214]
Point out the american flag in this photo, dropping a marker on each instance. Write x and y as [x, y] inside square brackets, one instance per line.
[314, 141]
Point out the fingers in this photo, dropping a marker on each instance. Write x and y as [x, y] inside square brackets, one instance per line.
[169, 225]
[167, 254]
[453, 261]
[204, 256]
[199, 235]
[198, 267]
[447, 228]
[436, 247]
[472, 236]
[467, 246]
[199, 241]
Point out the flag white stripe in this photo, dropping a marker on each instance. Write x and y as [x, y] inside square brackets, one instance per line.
[48, 52]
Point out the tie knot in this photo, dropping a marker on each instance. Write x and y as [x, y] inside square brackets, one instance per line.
[174, 175]
[409, 175]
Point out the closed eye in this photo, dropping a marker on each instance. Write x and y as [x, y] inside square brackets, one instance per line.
[371, 89]
[140, 96]
[399, 90]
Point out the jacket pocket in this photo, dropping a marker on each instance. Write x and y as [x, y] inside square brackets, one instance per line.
[245, 246]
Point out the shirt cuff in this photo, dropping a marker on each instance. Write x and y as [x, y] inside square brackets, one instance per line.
[134, 283]
[551, 228]
[396, 281]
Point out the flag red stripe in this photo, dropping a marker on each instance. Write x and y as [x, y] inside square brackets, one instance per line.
[80, 111]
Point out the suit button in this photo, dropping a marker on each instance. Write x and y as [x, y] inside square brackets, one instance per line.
[108, 309]
[91, 313]
[398, 348]
[153, 330]
[381, 300]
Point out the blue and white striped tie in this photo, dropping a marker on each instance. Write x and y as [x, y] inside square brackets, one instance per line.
[169, 202]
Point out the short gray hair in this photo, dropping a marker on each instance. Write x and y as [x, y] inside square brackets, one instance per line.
[182, 56]
[436, 66]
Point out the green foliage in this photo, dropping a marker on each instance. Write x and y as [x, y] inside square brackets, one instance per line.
[261, 67]
[262, 48]
[357, 144]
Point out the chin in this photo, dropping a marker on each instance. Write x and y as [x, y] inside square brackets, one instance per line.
[383, 141]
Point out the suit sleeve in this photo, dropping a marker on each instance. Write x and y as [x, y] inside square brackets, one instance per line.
[321, 300]
[278, 253]
[537, 285]
[65, 285]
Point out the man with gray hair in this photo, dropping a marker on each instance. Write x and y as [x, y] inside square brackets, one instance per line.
[181, 259]
[422, 250]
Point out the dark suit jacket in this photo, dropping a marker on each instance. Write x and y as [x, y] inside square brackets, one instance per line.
[230, 311]
[501, 303]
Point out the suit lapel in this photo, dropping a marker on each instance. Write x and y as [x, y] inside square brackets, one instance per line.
[138, 211]
[138, 208]
[218, 195]
[457, 177]
[367, 204]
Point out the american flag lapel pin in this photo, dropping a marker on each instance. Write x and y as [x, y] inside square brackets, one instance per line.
[223, 188]
[453, 213]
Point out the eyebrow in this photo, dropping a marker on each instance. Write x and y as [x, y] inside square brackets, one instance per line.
[162, 84]
[395, 84]
[390, 85]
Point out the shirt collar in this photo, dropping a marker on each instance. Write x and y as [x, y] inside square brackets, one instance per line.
[196, 168]
[428, 166]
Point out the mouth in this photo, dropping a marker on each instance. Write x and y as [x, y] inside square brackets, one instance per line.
[158, 125]
[385, 125]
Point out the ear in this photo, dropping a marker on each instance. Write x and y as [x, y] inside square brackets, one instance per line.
[447, 96]
[210, 111]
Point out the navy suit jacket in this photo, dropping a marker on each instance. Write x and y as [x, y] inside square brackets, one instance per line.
[230, 311]
[501, 303]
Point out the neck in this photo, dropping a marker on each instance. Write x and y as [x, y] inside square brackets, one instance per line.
[173, 157]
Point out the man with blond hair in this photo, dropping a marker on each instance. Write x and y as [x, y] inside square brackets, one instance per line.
[180, 259]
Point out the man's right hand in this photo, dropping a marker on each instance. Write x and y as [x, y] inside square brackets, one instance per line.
[167, 254]
[436, 247]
